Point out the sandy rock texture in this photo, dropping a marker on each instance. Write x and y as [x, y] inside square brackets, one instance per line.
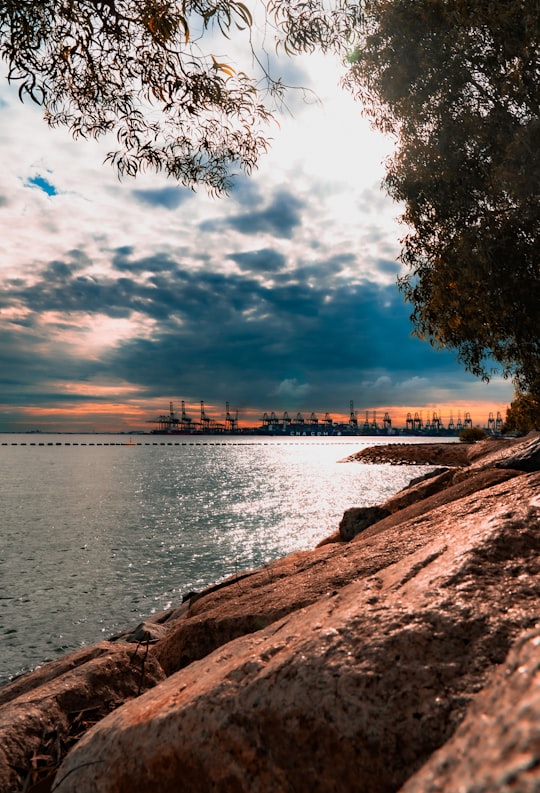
[45, 712]
[496, 749]
[355, 691]
[354, 666]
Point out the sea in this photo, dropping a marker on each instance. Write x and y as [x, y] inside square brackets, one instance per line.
[98, 532]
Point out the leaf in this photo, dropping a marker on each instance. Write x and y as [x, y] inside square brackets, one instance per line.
[245, 13]
[222, 67]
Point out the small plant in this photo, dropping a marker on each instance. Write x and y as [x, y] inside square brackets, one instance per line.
[472, 434]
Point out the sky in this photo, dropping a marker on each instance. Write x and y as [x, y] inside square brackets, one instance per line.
[118, 296]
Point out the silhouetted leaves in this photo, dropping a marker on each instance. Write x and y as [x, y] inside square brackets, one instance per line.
[140, 69]
[458, 84]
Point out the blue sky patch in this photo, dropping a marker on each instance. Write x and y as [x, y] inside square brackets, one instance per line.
[43, 184]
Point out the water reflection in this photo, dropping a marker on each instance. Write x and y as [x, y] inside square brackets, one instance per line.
[97, 537]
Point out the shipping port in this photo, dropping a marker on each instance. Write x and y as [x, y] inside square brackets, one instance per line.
[272, 424]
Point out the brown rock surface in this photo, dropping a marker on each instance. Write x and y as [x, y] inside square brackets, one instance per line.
[353, 692]
[418, 489]
[465, 482]
[296, 581]
[45, 712]
[524, 456]
[451, 454]
[358, 519]
[414, 454]
[497, 747]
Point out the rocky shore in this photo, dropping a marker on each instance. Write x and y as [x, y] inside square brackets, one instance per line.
[401, 654]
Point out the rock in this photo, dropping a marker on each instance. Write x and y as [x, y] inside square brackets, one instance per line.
[353, 692]
[525, 457]
[497, 747]
[45, 712]
[246, 605]
[291, 583]
[357, 519]
[274, 591]
[447, 454]
[144, 633]
[467, 483]
[417, 490]
[503, 451]
[482, 450]
[51, 670]
[430, 474]
[334, 537]
[420, 489]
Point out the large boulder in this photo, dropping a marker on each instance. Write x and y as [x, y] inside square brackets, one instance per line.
[521, 454]
[497, 747]
[357, 519]
[464, 482]
[44, 713]
[247, 604]
[353, 692]
[525, 457]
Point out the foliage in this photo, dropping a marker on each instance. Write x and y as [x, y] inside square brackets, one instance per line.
[146, 71]
[472, 434]
[523, 415]
[458, 84]
[137, 68]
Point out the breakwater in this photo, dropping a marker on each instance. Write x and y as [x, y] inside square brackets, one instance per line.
[403, 659]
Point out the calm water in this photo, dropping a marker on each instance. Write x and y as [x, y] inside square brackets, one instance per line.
[94, 537]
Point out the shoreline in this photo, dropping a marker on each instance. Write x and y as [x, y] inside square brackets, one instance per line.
[364, 557]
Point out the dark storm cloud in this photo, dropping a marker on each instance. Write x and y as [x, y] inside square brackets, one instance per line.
[62, 289]
[266, 260]
[166, 197]
[389, 266]
[123, 260]
[280, 217]
[32, 369]
[321, 272]
[230, 337]
[238, 340]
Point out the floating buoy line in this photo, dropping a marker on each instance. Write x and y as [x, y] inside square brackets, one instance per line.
[295, 442]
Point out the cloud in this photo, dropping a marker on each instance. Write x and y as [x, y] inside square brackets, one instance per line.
[266, 260]
[279, 218]
[125, 259]
[414, 383]
[220, 334]
[305, 335]
[283, 291]
[389, 266]
[166, 197]
[291, 389]
[245, 191]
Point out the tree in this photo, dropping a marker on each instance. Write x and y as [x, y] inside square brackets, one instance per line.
[523, 415]
[145, 70]
[472, 434]
[457, 83]
[138, 69]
